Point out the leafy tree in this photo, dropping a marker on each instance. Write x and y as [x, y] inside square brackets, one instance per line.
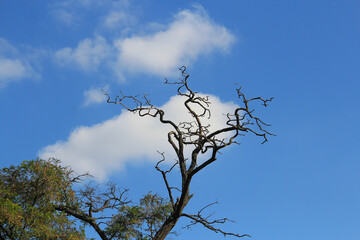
[28, 193]
[39, 199]
[139, 222]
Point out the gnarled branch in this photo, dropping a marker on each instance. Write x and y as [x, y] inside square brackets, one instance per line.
[198, 135]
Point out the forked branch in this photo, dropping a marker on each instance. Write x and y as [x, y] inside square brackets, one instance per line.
[209, 224]
[197, 135]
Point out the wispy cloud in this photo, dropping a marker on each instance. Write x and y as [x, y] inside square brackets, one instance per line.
[88, 54]
[109, 146]
[64, 16]
[13, 66]
[118, 19]
[6, 48]
[94, 96]
[72, 12]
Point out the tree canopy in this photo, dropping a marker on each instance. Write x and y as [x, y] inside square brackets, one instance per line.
[28, 194]
[40, 199]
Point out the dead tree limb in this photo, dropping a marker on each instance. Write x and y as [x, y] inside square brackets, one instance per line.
[196, 134]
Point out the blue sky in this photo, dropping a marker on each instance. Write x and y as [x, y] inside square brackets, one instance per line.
[302, 184]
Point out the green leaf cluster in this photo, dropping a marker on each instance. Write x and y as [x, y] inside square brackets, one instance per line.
[28, 194]
[38, 201]
[141, 221]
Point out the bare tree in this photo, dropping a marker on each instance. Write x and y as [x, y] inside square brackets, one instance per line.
[197, 135]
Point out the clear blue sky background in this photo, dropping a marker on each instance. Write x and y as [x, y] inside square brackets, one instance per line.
[302, 184]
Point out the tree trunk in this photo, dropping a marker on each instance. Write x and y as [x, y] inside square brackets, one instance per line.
[166, 228]
[170, 223]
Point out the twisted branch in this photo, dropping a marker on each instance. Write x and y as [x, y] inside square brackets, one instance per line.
[196, 134]
[198, 218]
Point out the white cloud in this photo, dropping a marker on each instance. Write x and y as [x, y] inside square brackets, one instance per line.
[88, 55]
[107, 147]
[94, 96]
[191, 34]
[161, 52]
[13, 67]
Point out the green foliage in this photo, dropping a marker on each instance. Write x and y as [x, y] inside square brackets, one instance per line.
[38, 201]
[28, 193]
[141, 221]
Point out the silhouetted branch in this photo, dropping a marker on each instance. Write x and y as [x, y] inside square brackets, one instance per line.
[163, 173]
[198, 218]
[196, 134]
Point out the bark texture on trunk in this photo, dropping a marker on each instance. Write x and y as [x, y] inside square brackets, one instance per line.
[166, 228]
[170, 223]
